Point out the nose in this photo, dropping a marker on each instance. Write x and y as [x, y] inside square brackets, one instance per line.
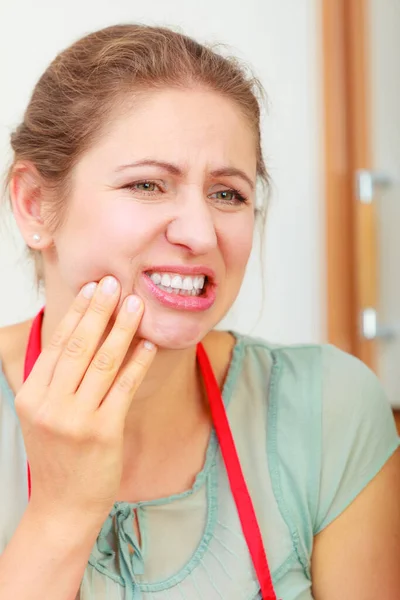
[193, 225]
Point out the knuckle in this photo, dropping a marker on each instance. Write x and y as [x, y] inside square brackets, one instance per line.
[43, 421]
[78, 430]
[56, 425]
[127, 382]
[124, 327]
[99, 308]
[76, 346]
[80, 306]
[77, 433]
[57, 339]
[104, 362]
[142, 360]
[20, 403]
[106, 436]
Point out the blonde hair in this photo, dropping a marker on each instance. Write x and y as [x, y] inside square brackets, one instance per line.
[70, 103]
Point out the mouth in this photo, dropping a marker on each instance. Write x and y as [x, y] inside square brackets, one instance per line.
[184, 289]
[179, 284]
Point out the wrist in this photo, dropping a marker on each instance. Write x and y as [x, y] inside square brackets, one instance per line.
[67, 530]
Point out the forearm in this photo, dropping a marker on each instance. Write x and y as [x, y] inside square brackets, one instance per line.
[46, 558]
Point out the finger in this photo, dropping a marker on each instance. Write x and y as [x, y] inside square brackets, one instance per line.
[84, 341]
[116, 404]
[108, 359]
[43, 369]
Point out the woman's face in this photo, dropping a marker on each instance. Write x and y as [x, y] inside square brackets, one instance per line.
[164, 201]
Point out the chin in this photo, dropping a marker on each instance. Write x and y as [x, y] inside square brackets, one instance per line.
[175, 332]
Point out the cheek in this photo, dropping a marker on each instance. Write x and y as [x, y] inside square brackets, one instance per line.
[112, 229]
[236, 242]
[106, 238]
[122, 232]
[125, 227]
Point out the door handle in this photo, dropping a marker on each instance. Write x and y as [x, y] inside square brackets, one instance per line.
[372, 330]
[367, 182]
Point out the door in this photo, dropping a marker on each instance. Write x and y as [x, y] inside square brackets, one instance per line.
[383, 57]
[361, 74]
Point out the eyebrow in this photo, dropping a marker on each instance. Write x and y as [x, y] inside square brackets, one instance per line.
[177, 171]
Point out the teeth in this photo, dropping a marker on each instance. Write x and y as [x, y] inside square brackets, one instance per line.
[166, 280]
[171, 290]
[187, 284]
[174, 283]
[198, 283]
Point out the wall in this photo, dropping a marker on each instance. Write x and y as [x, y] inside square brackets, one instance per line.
[281, 41]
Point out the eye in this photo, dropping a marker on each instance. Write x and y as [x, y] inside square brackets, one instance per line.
[229, 196]
[144, 186]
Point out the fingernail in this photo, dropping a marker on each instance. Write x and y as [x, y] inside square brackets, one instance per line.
[132, 304]
[109, 286]
[89, 289]
[148, 345]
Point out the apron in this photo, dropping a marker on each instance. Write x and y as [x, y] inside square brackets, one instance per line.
[240, 492]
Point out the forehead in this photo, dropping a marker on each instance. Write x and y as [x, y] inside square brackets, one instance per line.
[186, 126]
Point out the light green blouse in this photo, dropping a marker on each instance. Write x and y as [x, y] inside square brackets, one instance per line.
[312, 427]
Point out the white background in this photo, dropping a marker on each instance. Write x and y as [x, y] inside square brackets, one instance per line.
[281, 39]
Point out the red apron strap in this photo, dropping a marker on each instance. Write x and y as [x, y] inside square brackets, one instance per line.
[34, 346]
[237, 482]
[32, 353]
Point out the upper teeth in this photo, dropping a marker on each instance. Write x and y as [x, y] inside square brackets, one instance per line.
[179, 282]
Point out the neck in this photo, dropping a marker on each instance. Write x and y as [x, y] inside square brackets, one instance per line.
[169, 401]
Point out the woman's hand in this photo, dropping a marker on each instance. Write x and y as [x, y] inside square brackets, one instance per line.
[73, 406]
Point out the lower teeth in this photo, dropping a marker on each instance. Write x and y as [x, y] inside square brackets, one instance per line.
[179, 292]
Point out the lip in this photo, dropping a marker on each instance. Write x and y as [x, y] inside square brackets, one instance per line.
[184, 303]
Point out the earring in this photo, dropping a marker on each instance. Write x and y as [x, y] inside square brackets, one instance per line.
[36, 237]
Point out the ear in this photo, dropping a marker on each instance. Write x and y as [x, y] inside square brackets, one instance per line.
[27, 194]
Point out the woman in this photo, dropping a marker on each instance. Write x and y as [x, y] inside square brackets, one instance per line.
[133, 185]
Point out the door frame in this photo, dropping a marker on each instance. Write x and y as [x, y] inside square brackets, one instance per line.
[351, 246]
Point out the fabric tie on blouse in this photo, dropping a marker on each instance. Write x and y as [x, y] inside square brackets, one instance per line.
[128, 556]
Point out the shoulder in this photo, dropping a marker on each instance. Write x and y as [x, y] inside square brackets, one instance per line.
[318, 373]
[319, 389]
[330, 427]
[13, 339]
[12, 448]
